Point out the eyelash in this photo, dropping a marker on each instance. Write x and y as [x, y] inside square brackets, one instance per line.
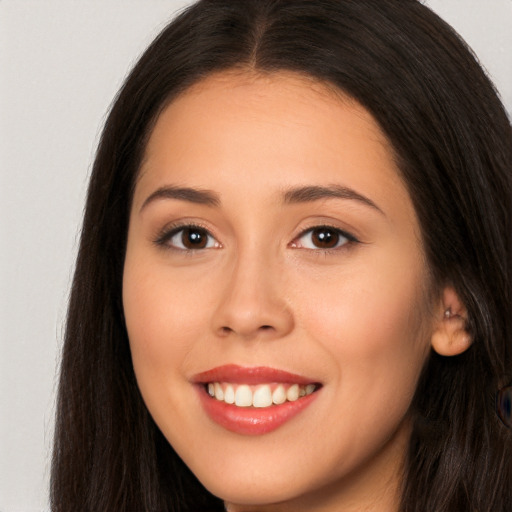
[349, 238]
[165, 237]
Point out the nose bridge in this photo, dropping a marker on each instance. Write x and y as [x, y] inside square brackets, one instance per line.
[253, 302]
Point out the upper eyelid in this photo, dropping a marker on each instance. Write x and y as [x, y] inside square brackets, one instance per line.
[347, 234]
[170, 230]
[178, 225]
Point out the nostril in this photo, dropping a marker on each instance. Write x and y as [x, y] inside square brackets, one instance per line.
[225, 330]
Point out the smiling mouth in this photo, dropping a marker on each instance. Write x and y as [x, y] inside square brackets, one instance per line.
[253, 400]
[258, 396]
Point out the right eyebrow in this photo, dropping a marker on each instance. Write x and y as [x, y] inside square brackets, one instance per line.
[192, 195]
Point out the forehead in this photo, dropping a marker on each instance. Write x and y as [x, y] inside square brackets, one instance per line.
[283, 98]
[257, 132]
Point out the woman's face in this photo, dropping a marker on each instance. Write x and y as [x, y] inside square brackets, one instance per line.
[274, 259]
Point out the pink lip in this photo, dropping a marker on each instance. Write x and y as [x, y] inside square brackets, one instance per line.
[249, 375]
[250, 420]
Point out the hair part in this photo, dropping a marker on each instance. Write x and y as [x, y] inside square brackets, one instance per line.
[453, 144]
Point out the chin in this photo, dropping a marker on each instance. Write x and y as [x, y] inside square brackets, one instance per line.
[255, 492]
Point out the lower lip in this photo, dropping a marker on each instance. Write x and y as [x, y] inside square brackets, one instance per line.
[252, 421]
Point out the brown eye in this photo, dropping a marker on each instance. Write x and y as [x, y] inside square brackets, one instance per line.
[194, 238]
[188, 238]
[323, 237]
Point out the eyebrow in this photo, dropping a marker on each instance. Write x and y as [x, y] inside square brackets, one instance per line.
[292, 196]
[316, 193]
[192, 195]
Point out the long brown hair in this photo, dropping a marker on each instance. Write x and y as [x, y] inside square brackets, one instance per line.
[453, 143]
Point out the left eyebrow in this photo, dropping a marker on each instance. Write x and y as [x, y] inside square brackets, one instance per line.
[316, 193]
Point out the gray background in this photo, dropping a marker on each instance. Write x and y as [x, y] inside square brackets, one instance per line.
[61, 63]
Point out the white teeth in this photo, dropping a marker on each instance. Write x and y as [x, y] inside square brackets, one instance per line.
[310, 388]
[229, 394]
[243, 396]
[262, 397]
[219, 393]
[293, 393]
[279, 395]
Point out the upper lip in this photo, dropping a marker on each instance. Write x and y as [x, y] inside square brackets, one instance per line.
[249, 375]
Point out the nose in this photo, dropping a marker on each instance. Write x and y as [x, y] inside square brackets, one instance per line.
[253, 302]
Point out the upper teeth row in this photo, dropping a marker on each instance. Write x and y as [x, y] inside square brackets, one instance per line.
[244, 395]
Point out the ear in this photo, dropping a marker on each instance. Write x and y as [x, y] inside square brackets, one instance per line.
[450, 336]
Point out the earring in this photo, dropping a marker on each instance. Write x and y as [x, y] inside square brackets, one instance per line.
[448, 313]
[504, 405]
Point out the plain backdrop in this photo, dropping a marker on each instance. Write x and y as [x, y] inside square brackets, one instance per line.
[61, 63]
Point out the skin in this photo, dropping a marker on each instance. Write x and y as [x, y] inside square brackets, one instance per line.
[357, 317]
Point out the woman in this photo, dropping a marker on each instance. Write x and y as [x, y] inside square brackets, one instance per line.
[293, 286]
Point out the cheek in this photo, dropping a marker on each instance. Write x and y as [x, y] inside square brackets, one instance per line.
[162, 320]
[165, 322]
[371, 324]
